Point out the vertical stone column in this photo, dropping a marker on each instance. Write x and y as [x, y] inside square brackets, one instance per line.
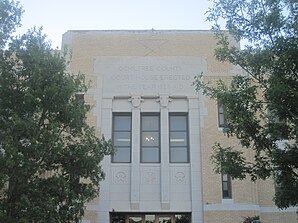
[195, 161]
[164, 162]
[106, 128]
[135, 153]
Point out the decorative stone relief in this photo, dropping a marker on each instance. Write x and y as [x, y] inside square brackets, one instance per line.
[149, 177]
[152, 44]
[120, 177]
[164, 101]
[136, 101]
[179, 177]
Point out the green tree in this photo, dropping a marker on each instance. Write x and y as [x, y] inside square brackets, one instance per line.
[10, 18]
[49, 155]
[261, 108]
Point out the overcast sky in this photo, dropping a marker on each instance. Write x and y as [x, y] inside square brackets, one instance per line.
[58, 16]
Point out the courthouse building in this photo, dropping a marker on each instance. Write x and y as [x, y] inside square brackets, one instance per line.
[142, 97]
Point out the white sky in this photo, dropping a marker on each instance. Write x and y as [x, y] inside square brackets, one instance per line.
[58, 16]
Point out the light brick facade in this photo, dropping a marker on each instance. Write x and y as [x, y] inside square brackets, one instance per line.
[152, 71]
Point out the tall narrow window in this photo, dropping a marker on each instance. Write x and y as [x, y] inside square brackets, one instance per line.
[221, 117]
[150, 133]
[226, 186]
[178, 138]
[122, 137]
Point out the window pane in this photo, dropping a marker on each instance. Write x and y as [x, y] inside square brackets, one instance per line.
[150, 155]
[135, 219]
[178, 123]
[225, 194]
[182, 218]
[150, 139]
[117, 218]
[122, 139]
[164, 220]
[150, 123]
[150, 218]
[122, 123]
[225, 186]
[122, 155]
[179, 155]
[221, 120]
[178, 139]
[221, 108]
[225, 177]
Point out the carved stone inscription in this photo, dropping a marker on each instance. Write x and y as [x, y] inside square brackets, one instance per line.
[152, 82]
[154, 75]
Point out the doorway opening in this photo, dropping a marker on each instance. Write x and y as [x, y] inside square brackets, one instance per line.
[150, 217]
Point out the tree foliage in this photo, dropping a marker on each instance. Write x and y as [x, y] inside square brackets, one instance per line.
[261, 107]
[254, 219]
[49, 155]
[10, 18]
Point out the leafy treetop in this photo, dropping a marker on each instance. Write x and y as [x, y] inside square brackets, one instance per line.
[49, 155]
[261, 108]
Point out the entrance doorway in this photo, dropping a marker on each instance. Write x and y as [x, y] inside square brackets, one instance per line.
[150, 218]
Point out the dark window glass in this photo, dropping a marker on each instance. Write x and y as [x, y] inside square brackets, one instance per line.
[79, 97]
[226, 186]
[150, 122]
[179, 155]
[179, 138]
[150, 139]
[221, 117]
[178, 122]
[165, 219]
[150, 218]
[182, 218]
[122, 137]
[150, 134]
[122, 122]
[133, 219]
[117, 218]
